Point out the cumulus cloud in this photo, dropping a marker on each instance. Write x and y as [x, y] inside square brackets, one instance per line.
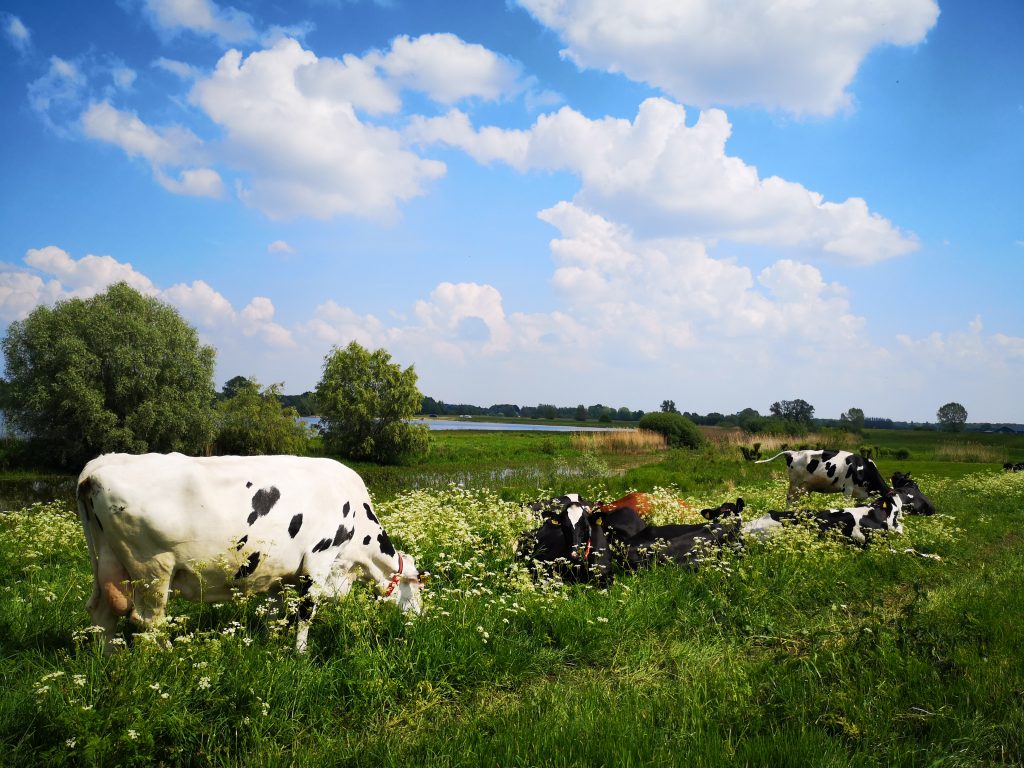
[55, 275]
[306, 155]
[666, 179]
[203, 17]
[280, 246]
[798, 57]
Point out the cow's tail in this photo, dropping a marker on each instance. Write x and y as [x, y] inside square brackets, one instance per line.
[773, 458]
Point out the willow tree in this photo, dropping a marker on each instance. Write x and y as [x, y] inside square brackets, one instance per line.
[117, 372]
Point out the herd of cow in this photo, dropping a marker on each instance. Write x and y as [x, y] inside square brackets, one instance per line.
[586, 542]
[207, 528]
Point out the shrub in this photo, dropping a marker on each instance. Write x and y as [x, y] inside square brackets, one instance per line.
[678, 430]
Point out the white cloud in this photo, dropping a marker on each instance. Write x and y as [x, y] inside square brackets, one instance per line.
[796, 56]
[306, 155]
[203, 17]
[124, 77]
[448, 69]
[280, 246]
[16, 32]
[61, 87]
[169, 146]
[666, 179]
[178, 68]
[88, 275]
[197, 182]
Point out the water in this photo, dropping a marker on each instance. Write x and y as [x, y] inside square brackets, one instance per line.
[442, 425]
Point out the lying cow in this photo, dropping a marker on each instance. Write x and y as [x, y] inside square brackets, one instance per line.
[636, 544]
[566, 544]
[831, 472]
[205, 528]
[914, 502]
[641, 503]
[855, 523]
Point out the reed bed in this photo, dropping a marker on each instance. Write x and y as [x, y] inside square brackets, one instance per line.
[734, 437]
[971, 452]
[620, 441]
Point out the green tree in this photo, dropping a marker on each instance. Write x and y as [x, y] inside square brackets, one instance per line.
[668, 406]
[234, 385]
[678, 430]
[952, 416]
[581, 413]
[798, 410]
[853, 419]
[117, 372]
[364, 401]
[253, 422]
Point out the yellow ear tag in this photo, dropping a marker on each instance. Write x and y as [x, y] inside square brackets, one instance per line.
[554, 522]
[600, 521]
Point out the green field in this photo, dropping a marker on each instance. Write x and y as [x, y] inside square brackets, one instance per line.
[797, 651]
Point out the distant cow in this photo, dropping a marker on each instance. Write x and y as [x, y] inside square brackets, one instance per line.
[914, 502]
[205, 528]
[641, 503]
[831, 472]
[566, 544]
[1019, 467]
[635, 544]
[855, 523]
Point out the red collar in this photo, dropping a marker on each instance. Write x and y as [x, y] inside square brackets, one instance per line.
[396, 578]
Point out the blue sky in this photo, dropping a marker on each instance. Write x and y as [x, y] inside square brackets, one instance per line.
[540, 200]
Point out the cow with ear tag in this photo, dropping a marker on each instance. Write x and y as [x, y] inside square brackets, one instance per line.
[566, 544]
[636, 544]
[914, 502]
[210, 527]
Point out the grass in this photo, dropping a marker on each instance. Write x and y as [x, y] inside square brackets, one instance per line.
[797, 651]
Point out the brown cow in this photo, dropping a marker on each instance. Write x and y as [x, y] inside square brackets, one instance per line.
[641, 503]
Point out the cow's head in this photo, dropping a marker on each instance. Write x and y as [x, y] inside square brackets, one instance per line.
[725, 511]
[406, 585]
[914, 502]
[886, 511]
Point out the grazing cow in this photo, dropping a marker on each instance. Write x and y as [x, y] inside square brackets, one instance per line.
[914, 502]
[1018, 467]
[637, 544]
[205, 528]
[641, 503]
[856, 523]
[566, 544]
[831, 472]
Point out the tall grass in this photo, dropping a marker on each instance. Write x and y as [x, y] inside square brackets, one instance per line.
[970, 452]
[621, 441]
[731, 439]
[795, 651]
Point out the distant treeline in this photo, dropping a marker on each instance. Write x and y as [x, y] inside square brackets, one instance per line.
[598, 412]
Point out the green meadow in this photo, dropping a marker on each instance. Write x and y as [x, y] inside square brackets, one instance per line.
[795, 651]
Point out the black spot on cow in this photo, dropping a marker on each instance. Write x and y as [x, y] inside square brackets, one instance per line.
[830, 470]
[321, 545]
[828, 455]
[100, 524]
[295, 525]
[346, 509]
[812, 465]
[369, 514]
[366, 539]
[849, 459]
[849, 470]
[344, 534]
[385, 544]
[248, 566]
[789, 459]
[263, 502]
[306, 603]
[248, 485]
[241, 542]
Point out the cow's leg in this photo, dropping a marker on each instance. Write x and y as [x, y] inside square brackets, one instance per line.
[110, 599]
[152, 591]
[307, 609]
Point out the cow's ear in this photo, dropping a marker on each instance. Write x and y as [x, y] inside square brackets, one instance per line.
[739, 505]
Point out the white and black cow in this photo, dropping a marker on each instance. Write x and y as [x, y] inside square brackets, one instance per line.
[566, 544]
[914, 502]
[831, 472]
[855, 523]
[635, 544]
[205, 528]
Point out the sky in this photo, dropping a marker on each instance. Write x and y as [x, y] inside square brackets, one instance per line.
[540, 201]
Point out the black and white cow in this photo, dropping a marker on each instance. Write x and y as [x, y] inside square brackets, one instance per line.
[831, 472]
[855, 523]
[566, 544]
[635, 544]
[205, 528]
[914, 502]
